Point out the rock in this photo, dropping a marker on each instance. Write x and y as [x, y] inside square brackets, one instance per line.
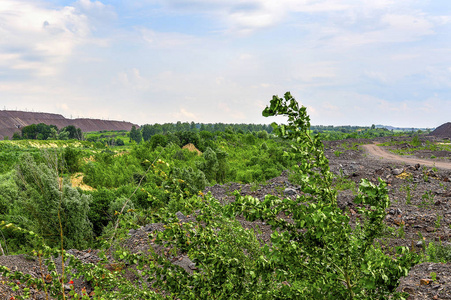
[192, 266]
[180, 216]
[289, 192]
[425, 281]
[397, 171]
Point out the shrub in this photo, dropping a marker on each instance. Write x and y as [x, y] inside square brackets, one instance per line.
[48, 204]
[308, 257]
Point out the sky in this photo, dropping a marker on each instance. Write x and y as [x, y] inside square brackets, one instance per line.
[350, 62]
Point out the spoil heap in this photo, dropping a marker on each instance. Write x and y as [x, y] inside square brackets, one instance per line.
[12, 121]
[443, 130]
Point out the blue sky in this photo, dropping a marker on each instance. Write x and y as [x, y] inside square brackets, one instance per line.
[153, 61]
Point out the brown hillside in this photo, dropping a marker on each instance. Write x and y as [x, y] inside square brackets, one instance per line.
[12, 121]
[443, 130]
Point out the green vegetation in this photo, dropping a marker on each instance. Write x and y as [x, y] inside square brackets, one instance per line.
[416, 144]
[42, 131]
[56, 195]
[332, 133]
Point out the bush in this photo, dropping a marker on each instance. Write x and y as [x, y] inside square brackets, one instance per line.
[45, 200]
[71, 157]
[120, 142]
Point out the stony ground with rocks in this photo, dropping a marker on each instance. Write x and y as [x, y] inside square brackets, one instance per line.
[420, 212]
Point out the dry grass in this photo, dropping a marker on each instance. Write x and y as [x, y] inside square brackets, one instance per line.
[191, 147]
[77, 181]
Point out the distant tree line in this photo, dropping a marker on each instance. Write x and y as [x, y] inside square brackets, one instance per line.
[184, 132]
[43, 131]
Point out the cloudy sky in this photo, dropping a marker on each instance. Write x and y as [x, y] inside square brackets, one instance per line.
[350, 62]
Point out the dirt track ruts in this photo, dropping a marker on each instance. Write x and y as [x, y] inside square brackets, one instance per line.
[378, 151]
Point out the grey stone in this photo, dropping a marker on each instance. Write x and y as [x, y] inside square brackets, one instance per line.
[180, 215]
[397, 171]
[290, 192]
[149, 228]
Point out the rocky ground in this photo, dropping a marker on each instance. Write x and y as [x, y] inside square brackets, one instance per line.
[420, 213]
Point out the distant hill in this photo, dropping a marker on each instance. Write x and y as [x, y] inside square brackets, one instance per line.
[401, 128]
[11, 121]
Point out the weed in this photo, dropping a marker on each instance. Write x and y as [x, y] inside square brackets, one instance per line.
[255, 186]
[406, 187]
[401, 232]
[425, 177]
[427, 198]
[342, 183]
[337, 153]
[433, 276]
[438, 221]
[437, 252]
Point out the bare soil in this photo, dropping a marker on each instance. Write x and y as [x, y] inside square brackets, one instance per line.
[420, 212]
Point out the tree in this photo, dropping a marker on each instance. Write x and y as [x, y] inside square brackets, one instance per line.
[120, 142]
[73, 132]
[135, 135]
[187, 137]
[29, 132]
[16, 136]
[158, 140]
[43, 200]
[146, 132]
[192, 126]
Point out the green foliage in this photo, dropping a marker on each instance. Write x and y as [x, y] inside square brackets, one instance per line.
[308, 258]
[107, 170]
[98, 213]
[135, 135]
[43, 131]
[120, 142]
[193, 180]
[158, 140]
[317, 260]
[44, 200]
[71, 158]
[437, 252]
[72, 133]
[8, 192]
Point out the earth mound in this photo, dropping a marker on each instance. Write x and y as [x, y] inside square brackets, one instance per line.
[443, 130]
[191, 148]
[12, 121]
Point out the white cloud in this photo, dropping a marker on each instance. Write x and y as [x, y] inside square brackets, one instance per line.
[165, 40]
[38, 38]
[184, 115]
[132, 80]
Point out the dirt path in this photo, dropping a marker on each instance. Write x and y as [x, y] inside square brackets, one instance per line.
[378, 151]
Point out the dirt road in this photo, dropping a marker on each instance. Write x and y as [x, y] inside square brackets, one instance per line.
[378, 151]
